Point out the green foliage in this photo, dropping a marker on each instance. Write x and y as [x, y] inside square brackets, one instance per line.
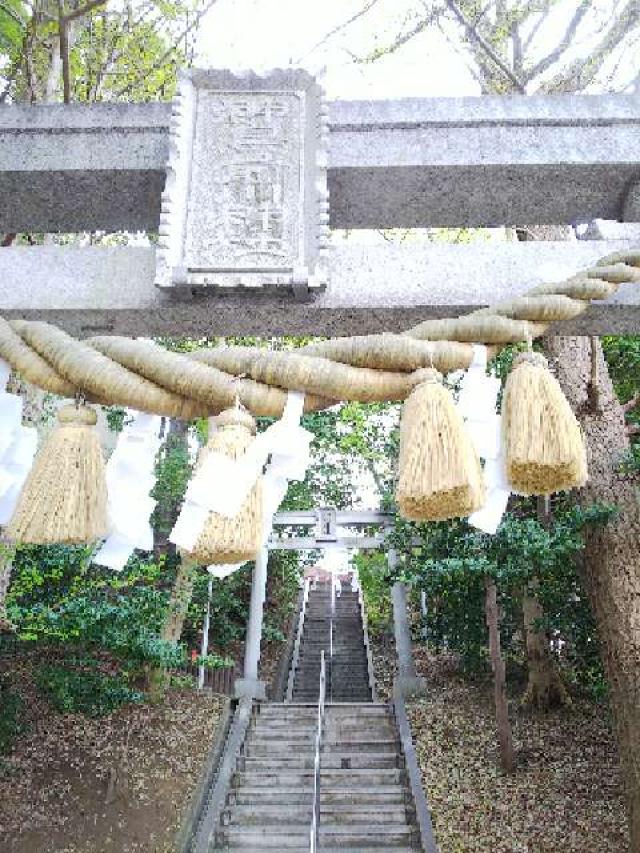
[132, 53]
[95, 628]
[13, 16]
[11, 716]
[83, 690]
[630, 462]
[116, 417]
[373, 572]
[452, 560]
[623, 361]
[229, 609]
[173, 470]
[214, 661]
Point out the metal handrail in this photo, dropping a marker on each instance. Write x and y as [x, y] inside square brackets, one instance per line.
[367, 643]
[295, 659]
[332, 617]
[423, 813]
[314, 832]
[216, 796]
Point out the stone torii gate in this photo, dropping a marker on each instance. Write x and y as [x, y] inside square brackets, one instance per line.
[326, 536]
[242, 178]
[409, 163]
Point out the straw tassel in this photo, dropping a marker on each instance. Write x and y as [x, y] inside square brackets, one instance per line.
[236, 539]
[440, 475]
[64, 499]
[544, 447]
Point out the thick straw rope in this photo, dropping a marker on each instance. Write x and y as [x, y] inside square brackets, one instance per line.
[144, 376]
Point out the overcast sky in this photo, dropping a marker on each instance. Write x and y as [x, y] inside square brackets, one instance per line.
[268, 33]
[262, 34]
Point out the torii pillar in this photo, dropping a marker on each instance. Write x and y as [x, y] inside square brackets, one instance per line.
[250, 685]
[407, 679]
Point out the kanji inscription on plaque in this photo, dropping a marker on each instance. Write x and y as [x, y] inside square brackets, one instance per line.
[245, 203]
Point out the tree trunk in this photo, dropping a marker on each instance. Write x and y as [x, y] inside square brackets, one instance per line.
[173, 622]
[545, 689]
[612, 554]
[6, 566]
[168, 508]
[505, 739]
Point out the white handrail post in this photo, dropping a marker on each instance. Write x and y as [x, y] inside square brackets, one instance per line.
[204, 648]
[295, 659]
[314, 830]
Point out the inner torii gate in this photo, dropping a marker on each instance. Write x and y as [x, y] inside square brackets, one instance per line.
[326, 536]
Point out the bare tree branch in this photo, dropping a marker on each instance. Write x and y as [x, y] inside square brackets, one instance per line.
[580, 73]
[631, 404]
[517, 48]
[11, 14]
[403, 38]
[83, 10]
[343, 26]
[543, 14]
[63, 31]
[463, 54]
[488, 49]
[566, 41]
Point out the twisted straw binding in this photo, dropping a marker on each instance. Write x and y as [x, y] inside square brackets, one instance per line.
[372, 368]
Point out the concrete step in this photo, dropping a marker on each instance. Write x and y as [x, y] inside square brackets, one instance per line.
[337, 695]
[379, 849]
[286, 709]
[356, 721]
[332, 778]
[261, 814]
[360, 834]
[340, 759]
[293, 835]
[382, 795]
[285, 837]
[342, 686]
[305, 849]
[333, 741]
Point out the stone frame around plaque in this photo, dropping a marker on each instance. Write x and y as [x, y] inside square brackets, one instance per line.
[245, 205]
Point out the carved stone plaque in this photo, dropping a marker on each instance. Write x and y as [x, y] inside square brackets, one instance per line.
[245, 204]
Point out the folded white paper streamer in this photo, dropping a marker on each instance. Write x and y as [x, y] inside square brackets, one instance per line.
[478, 392]
[130, 478]
[289, 460]
[489, 517]
[286, 440]
[222, 484]
[486, 435]
[477, 404]
[5, 372]
[17, 448]
[224, 570]
[15, 465]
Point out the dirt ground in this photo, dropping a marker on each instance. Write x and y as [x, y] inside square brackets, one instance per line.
[118, 784]
[565, 797]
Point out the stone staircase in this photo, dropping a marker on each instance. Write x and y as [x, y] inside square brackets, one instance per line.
[365, 802]
[365, 797]
[347, 670]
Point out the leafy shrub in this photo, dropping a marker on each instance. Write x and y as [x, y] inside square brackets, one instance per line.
[92, 693]
[213, 661]
[375, 580]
